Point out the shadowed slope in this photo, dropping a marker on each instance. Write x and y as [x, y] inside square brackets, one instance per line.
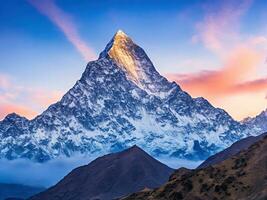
[244, 176]
[235, 148]
[111, 176]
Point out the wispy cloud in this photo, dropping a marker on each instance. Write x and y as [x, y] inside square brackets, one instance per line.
[240, 64]
[4, 81]
[26, 101]
[29, 101]
[220, 25]
[65, 23]
[7, 108]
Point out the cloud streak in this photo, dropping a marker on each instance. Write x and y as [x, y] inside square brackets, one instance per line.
[220, 24]
[251, 86]
[29, 101]
[64, 22]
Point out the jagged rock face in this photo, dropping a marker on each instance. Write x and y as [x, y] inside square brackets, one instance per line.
[13, 125]
[121, 100]
[258, 123]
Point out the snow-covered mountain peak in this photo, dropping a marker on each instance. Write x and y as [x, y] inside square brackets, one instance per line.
[133, 60]
[14, 117]
[258, 122]
[121, 49]
[120, 34]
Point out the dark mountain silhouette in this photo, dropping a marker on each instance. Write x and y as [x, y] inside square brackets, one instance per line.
[111, 176]
[243, 176]
[17, 191]
[232, 150]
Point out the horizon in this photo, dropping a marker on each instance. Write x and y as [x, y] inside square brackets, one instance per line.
[228, 67]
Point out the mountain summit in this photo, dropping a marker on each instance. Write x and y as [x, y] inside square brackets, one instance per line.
[134, 61]
[122, 50]
[122, 100]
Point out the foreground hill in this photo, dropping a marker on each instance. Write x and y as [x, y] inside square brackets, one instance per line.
[17, 191]
[243, 176]
[235, 148]
[111, 176]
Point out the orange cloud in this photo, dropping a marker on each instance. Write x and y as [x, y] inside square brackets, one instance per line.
[211, 85]
[63, 21]
[6, 109]
[242, 99]
[45, 98]
[251, 86]
[240, 64]
[243, 105]
[24, 100]
[232, 87]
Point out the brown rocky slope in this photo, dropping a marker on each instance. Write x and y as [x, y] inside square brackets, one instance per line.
[243, 176]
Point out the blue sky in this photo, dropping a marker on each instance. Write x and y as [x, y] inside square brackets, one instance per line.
[36, 56]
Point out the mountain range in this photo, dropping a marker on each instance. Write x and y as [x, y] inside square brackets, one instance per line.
[121, 100]
[110, 177]
[257, 123]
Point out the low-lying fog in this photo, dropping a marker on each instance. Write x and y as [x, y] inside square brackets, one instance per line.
[22, 171]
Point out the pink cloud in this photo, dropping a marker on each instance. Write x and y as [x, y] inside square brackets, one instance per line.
[237, 68]
[7, 108]
[45, 98]
[219, 26]
[219, 32]
[251, 86]
[63, 21]
[26, 101]
[259, 40]
[4, 81]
